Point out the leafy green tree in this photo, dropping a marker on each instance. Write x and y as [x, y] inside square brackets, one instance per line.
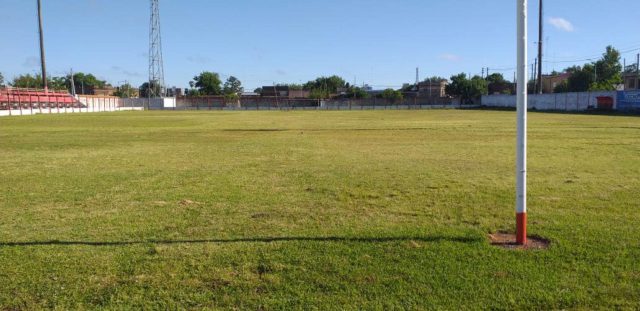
[393, 95]
[479, 87]
[232, 97]
[581, 78]
[292, 86]
[469, 90]
[358, 93]
[604, 74]
[608, 68]
[328, 85]
[207, 83]
[144, 89]
[319, 94]
[85, 83]
[232, 86]
[496, 83]
[434, 79]
[27, 81]
[258, 90]
[124, 91]
[59, 83]
[496, 78]
[608, 71]
[563, 87]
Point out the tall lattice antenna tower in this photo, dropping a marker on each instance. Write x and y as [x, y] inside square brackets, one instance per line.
[156, 67]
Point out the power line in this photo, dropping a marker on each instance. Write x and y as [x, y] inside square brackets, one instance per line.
[591, 58]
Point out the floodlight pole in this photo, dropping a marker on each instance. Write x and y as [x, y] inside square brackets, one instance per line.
[521, 147]
[43, 63]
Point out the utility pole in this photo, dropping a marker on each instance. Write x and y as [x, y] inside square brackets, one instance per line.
[73, 84]
[540, 33]
[535, 76]
[532, 71]
[483, 73]
[43, 62]
[487, 72]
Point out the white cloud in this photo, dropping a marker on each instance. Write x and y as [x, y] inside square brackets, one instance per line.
[450, 57]
[561, 23]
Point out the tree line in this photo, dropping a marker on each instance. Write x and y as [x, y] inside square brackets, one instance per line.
[84, 83]
[603, 74]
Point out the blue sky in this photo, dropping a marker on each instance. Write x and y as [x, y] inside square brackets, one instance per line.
[266, 41]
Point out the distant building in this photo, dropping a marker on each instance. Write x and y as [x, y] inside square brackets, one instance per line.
[432, 89]
[249, 94]
[273, 91]
[550, 82]
[175, 92]
[108, 90]
[284, 91]
[631, 78]
[342, 91]
[299, 94]
[130, 92]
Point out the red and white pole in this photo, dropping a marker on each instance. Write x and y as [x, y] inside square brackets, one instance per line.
[521, 147]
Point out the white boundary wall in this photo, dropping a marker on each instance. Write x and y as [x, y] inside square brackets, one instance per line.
[556, 102]
[62, 110]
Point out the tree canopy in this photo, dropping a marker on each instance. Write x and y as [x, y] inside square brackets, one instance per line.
[496, 83]
[85, 83]
[357, 93]
[232, 86]
[393, 95]
[413, 87]
[206, 83]
[292, 86]
[124, 91]
[469, 90]
[144, 89]
[434, 79]
[602, 75]
[328, 85]
[27, 81]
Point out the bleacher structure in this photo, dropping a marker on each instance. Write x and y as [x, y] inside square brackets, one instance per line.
[22, 101]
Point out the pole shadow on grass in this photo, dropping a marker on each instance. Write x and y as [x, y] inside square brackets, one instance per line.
[330, 239]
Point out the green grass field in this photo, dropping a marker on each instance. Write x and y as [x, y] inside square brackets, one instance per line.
[315, 210]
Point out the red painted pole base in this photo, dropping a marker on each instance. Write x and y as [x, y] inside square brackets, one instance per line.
[521, 228]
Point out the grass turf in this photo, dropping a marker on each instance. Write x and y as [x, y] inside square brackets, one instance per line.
[315, 210]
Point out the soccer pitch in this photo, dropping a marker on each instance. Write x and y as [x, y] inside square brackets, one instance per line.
[315, 210]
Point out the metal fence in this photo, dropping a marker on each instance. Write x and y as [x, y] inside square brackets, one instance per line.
[275, 103]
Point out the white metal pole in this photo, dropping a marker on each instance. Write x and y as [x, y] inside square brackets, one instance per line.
[521, 153]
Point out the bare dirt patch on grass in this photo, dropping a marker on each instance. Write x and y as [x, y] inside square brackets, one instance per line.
[508, 241]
